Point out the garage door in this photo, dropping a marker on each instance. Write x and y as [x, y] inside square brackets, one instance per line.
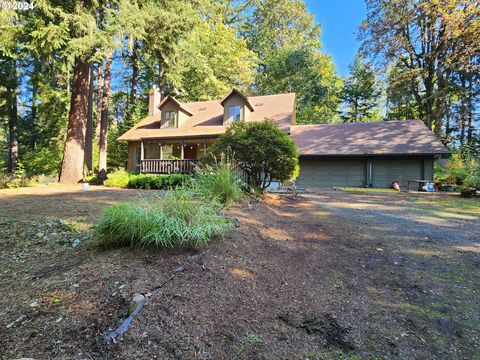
[330, 173]
[400, 170]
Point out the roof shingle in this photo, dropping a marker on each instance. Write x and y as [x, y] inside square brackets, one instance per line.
[402, 137]
[207, 118]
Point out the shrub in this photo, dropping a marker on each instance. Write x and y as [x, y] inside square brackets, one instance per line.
[262, 150]
[142, 181]
[4, 180]
[177, 220]
[159, 182]
[461, 170]
[17, 179]
[44, 160]
[94, 180]
[219, 182]
[117, 179]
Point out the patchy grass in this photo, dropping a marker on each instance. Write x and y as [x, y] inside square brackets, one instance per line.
[449, 203]
[444, 203]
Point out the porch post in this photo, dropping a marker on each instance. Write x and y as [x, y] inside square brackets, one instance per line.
[182, 150]
[204, 146]
[141, 155]
[161, 150]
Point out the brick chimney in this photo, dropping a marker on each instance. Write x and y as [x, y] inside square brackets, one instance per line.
[154, 98]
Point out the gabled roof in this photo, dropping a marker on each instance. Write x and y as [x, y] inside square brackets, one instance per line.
[207, 118]
[238, 93]
[169, 98]
[402, 137]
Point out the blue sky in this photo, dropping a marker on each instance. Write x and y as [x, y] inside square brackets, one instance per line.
[339, 20]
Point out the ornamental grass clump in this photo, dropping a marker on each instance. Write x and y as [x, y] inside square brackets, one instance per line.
[178, 219]
[219, 182]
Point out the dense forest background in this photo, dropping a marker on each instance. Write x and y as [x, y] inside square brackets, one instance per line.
[74, 75]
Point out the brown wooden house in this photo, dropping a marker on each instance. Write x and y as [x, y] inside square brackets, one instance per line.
[175, 135]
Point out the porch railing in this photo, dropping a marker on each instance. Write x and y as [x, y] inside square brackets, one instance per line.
[167, 166]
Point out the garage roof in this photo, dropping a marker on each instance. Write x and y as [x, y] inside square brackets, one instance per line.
[402, 137]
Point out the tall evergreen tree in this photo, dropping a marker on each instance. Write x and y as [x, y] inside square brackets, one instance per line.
[361, 92]
[286, 40]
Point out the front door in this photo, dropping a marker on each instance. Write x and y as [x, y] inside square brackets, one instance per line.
[190, 151]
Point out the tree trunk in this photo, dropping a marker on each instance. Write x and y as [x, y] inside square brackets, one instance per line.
[440, 98]
[470, 100]
[134, 60]
[89, 131]
[448, 116]
[33, 115]
[12, 121]
[74, 152]
[428, 100]
[102, 163]
[100, 18]
[355, 110]
[99, 99]
[463, 109]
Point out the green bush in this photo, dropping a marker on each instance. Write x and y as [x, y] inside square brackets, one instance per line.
[219, 182]
[18, 179]
[461, 170]
[4, 180]
[44, 160]
[117, 179]
[158, 182]
[261, 149]
[143, 181]
[179, 219]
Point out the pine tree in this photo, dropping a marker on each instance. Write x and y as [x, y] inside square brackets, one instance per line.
[361, 92]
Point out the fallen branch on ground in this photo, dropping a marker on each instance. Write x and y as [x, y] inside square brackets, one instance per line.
[137, 305]
[139, 301]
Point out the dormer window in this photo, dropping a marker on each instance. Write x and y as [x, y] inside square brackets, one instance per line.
[235, 113]
[171, 119]
[236, 108]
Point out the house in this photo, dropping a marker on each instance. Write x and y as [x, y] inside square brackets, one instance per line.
[175, 135]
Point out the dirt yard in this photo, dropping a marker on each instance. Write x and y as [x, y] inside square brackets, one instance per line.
[329, 275]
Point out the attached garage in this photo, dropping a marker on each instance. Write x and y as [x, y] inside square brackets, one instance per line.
[331, 172]
[385, 171]
[361, 154]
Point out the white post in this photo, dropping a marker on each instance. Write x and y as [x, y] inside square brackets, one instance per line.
[204, 146]
[182, 150]
[161, 150]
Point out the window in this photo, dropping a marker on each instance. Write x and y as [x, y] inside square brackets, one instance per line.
[170, 118]
[235, 113]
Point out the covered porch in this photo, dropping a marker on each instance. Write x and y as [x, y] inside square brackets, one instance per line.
[168, 156]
